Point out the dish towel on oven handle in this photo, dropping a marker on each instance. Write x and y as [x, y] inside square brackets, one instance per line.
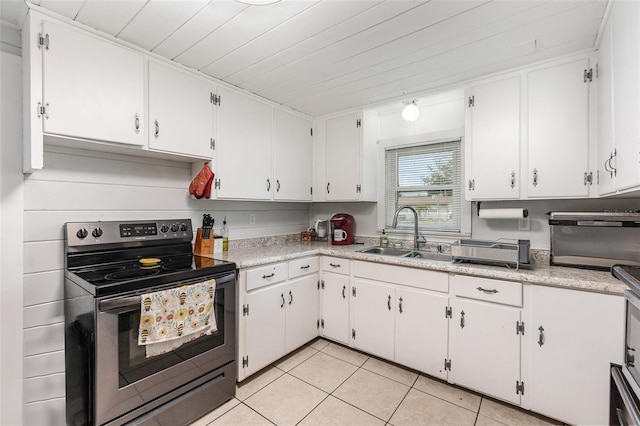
[170, 318]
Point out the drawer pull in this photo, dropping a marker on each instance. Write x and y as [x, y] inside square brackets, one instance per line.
[334, 265]
[344, 289]
[484, 290]
[305, 267]
[290, 297]
[389, 302]
[282, 296]
[462, 319]
[541, 336]
[400, 305]
[271, 275]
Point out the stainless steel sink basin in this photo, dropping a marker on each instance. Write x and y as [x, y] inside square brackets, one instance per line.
[387, 251]
[399, 252]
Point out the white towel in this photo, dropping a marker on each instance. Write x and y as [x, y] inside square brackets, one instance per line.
[170, 318]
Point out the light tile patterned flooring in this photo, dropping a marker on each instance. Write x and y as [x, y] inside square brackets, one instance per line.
[324, 383]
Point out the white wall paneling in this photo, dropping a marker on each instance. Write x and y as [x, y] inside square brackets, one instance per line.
[43, 364]
[11, 206]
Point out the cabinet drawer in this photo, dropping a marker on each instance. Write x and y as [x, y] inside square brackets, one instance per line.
[413, 277]
[335, 264]
[490, 290]
[299, 267]
[266, 275]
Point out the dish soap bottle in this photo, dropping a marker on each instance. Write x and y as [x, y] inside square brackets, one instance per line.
[225, 235]
[384, 240]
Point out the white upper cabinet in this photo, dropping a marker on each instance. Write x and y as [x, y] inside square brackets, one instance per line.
[604, 171]
[292, 157]
[626, 93]
[243, 147]
[494, 142]
[558, 123]
[181, 111]
[350, 158]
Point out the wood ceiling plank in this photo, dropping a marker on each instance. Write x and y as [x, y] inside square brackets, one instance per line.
[158, 19]
[67, 8]
[452, 51]
[198, 27]
[335, 34]
[249, 24]
[13, 12]
[101, 15]
[399, 26]
[307, 24]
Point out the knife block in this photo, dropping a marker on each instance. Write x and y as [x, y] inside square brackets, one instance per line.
[203, 246]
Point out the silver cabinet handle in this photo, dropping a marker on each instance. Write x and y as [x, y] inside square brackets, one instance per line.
[277, 185]
[472, 184]
[344, 289]
[400, 305]
[484, 290]
[462, 319]
[630, 358]
[290, 297]
[541, 336]
[334, 265]
[271, 275]
[389, 302]
[282, 296]
[268, 185]
[535, 177]
[157, 132]
[136, 123]
[513, 179]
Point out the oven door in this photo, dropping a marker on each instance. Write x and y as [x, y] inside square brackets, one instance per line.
[126, 379]
[632, 341]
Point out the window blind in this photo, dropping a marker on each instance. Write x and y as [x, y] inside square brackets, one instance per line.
[427, 177]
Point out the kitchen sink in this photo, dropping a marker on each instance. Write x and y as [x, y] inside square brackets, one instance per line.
[387, 251]
[400, 252]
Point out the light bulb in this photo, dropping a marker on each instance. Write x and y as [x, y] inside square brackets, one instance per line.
[410, 112]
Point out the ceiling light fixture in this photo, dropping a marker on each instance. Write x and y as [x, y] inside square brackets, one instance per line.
[410, 112]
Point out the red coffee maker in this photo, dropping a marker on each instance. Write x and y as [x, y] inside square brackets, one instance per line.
[344, 228]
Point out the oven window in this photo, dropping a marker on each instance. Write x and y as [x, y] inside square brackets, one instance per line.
[632, 355]
[132, 360]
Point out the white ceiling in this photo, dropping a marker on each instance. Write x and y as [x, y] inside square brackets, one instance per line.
[320, 57]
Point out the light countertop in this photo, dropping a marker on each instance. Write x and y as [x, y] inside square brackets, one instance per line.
[540, 274]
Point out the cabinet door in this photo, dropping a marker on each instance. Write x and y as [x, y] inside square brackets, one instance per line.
[372, 307]
[604, 169]
[574, 336]
[181, 113]
[485, 349]
[626, 92]
[343, 137]
[243, 147]
[292, 157]
[495, 140]
[558, 131]
[302, 311]
[335, 307]
[421, 331]
[265, 327]
[94, 89]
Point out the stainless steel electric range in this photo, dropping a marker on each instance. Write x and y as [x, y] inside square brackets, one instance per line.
[109, 379]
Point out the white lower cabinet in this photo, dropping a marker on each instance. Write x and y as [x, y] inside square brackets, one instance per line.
[276, 314]
[574, 336]
[334, 310]
[400, 314]
[485, 333]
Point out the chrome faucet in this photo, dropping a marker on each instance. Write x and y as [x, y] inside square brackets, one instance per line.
[417, 240]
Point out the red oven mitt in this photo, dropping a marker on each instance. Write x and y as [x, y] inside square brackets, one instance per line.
[199, 183]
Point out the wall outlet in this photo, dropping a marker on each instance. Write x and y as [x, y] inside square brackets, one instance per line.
[252, 218]
[524, 224]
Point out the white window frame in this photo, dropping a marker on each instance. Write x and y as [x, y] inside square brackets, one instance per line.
[426, 138]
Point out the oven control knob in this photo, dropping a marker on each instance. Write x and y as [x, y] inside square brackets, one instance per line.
[183, 227]
[164, 229]
[82, 233]
[97, 233]
[174, 228]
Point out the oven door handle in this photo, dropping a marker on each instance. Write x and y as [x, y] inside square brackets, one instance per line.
[625, 395]
[123, 304]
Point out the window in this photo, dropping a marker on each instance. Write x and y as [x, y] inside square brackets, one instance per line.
[427, 178]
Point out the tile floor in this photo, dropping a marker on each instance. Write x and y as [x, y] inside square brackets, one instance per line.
[324, 383]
